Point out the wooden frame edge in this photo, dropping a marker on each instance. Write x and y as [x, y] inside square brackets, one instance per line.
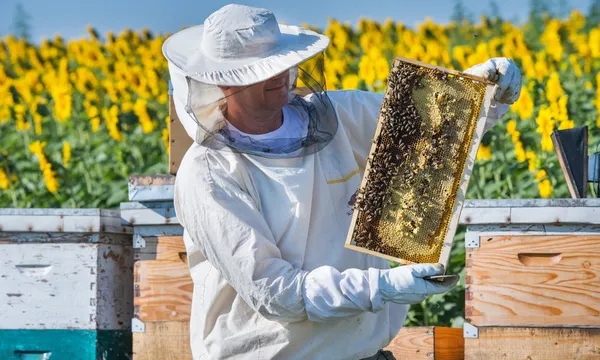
[446, 70]
[459, 201]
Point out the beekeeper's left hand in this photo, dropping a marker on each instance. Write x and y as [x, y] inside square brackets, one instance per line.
[506, 75]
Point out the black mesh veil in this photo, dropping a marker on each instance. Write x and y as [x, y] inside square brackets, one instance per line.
[307, 100]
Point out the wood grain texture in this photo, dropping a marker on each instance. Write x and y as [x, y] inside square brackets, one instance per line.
[179, 140]
[151, 180]
[163, 340]
[48, 286]
[65, 286]
[46, 237]
[171, 248]
[162, 290]
[534, 230]
[68, 220]
[413, 343]
[449, 343]
[531, 212]
[428, 343]
[534, 344]
[114, 305]
[492, 204]
[534, 281]
[159, 230]
[150, 216]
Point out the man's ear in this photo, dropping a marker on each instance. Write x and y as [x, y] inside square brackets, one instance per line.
[224, 88]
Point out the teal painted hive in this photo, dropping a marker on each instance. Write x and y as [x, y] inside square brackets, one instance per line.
[66, 285]
[65, 345]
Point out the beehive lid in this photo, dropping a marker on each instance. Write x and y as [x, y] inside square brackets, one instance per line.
[151, 213]
[62, 221]
[430, 125]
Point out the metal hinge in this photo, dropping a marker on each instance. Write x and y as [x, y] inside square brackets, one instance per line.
[471, 240]
[138, 241]
[137, 325]
[470, 331]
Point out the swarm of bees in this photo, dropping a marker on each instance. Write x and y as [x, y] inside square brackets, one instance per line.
[427, 122]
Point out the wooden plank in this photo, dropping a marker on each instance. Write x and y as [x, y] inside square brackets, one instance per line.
[35, 220]
[32, 223]
[56, 212]
[534, 281]
[171, 248]
[164, 340]
[542, 203]
[134, 205]
[114, 304]
[428, 343]
[148, 216]
[162, 290]
[158, 230]
[21, 237]
[531, 211]
[93, 224]
[102, 238]
[539, 229]
[179, 140]
[448, 71]
[151, 180]
[470, 216]
[413, 343]
[449, 343]
[66, 286]
[148, 213]
[151, 187]
[48, 286]
[533, 215]
[534, 344]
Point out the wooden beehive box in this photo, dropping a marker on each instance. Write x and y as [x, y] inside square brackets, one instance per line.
[162, 283]
[532, 279]
[430, 125]
[428, 343]
[163, 287]
[65, 283]
[179, 140]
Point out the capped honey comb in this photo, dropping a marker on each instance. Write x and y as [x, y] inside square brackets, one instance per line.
[407, 207]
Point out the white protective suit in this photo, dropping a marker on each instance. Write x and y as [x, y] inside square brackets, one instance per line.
[274, 230]
[265, 236]
[278, 238]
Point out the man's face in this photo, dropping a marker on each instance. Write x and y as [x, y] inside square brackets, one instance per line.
[271, 94]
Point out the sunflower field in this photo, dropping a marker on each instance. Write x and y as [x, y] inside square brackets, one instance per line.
[78, 117]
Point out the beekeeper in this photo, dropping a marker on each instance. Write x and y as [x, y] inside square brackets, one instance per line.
[263, 195]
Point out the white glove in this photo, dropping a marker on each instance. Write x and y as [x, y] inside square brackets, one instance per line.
[405, 284]
[506, 75]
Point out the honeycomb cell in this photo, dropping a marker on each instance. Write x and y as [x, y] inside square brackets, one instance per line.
[427, 124]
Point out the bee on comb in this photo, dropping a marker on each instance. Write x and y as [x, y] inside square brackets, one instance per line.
[411, 195]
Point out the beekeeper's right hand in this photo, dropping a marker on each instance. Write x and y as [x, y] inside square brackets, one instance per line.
[405, 284]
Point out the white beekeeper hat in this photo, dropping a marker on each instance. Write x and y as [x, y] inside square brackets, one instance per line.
[240, 46]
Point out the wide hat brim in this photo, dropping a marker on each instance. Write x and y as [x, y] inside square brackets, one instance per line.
[295, 46]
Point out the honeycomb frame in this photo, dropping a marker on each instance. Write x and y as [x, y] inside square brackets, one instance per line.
[385, 155]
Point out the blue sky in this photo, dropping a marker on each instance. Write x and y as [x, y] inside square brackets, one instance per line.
[70, 17]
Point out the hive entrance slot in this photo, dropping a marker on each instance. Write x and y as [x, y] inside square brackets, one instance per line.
[545, 259]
